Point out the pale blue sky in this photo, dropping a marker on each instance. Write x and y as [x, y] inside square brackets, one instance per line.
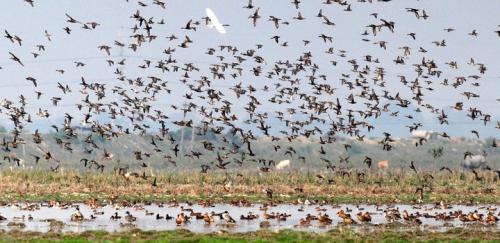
[113, 15]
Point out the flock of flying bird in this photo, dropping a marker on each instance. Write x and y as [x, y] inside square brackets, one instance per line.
[297, 86]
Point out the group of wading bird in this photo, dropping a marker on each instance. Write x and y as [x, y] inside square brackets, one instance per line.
[307, 99]
[391, 214]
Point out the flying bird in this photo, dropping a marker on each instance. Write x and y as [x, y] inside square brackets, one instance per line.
[213, 22]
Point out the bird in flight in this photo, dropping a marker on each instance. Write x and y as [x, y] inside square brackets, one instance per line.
[213, 21]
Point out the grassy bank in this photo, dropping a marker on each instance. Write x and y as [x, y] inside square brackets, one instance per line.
[337, 235]
[376, 187]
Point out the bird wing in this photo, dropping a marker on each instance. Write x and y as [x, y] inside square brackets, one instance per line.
[215, 21]
[220, 28]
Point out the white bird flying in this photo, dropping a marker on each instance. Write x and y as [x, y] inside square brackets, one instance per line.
[214, 21]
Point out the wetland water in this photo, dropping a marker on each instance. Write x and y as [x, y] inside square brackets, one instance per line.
[40, 217]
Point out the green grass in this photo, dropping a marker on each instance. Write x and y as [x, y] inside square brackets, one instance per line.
[336, 235]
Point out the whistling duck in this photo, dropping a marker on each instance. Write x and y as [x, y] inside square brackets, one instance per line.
[181, 219]
[349, 221]
[342, 214]
[411, 218]
[392, 215]
[203, 203]
[477, 216]
[320, 209]
[346, 217]
[364, 217]
[209, 218]
[304, 222]
[472, 216]
[491, 218]
[268, 216]
[324, 219]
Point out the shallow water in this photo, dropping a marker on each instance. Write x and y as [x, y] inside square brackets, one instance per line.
[14, 213]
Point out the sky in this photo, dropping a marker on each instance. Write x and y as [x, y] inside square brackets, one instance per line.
[114, 18]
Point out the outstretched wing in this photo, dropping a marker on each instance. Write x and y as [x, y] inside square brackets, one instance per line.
[215, 21]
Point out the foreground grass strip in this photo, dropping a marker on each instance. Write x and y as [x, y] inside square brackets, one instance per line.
[336, 235]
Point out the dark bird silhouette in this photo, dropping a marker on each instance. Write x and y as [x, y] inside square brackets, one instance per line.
[255, 16]
[153, 184]
[368, 161]
[447, 169]
[16, 59]
[412, 166]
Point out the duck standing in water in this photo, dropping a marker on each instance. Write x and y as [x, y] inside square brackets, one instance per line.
[77, 216]
[129, 217]
[411, 218]
[228, 218]
[364, 217]
[181, 219]
[209, 218]
[304, 223]
[491, 219]
[324, 219]
[346, 217]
